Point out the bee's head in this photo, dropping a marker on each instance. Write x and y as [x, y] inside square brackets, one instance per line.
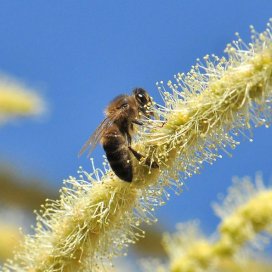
[143, 100]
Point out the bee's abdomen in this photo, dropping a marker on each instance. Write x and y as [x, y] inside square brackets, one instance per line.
[118, 156]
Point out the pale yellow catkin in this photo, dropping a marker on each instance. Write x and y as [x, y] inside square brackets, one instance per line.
[10, 236]
[17, 100]
[247, 212]
[98, 215]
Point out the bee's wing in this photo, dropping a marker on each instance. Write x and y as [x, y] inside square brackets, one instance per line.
[96, 136]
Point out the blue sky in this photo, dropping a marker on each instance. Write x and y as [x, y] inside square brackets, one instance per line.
[80, 54]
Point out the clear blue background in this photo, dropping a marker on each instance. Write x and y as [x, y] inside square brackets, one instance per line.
[80, 54]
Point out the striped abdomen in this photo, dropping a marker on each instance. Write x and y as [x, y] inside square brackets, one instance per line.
[118, 154]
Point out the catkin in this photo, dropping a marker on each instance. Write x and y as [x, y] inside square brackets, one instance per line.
[17, 101]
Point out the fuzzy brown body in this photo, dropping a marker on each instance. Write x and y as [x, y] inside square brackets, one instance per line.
[117, 152]
[117, 137]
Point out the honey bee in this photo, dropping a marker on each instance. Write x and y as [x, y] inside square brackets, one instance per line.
[116, 130]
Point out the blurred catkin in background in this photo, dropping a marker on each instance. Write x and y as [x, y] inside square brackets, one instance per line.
[10, 237]
[16, 100]
[246, 214]
[98, 215]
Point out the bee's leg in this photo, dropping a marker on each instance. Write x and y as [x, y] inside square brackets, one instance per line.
[139, 156]
[162, 125]
[128, 139]
[164, 122]
[137, 122]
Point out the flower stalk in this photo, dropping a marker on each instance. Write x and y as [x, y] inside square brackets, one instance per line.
[98, 215]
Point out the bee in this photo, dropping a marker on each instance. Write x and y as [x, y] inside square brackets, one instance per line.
[116, 130]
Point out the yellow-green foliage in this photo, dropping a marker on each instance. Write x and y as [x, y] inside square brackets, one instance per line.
[17, 100]
[246, 212]
[98, 215]
[248, 266]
